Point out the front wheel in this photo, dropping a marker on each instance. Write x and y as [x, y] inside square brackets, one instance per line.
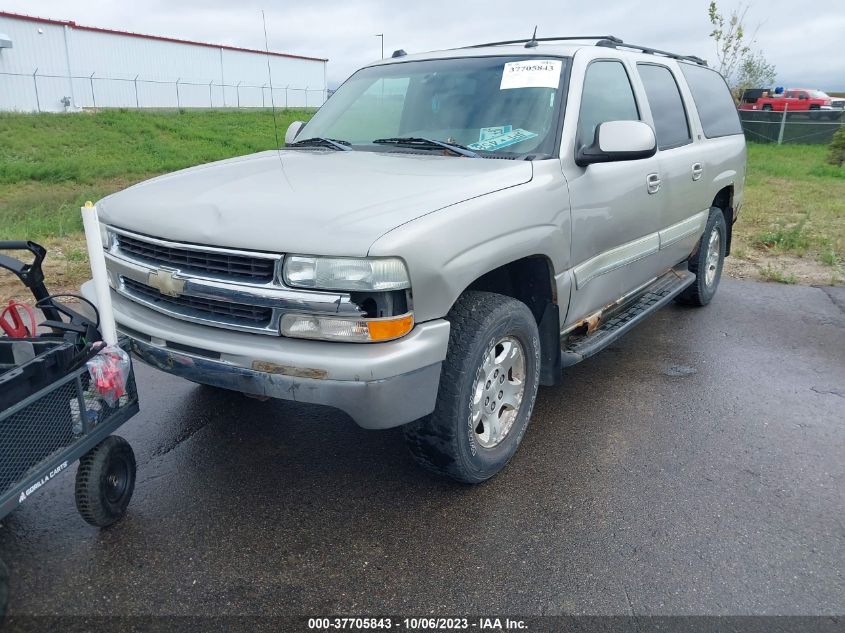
[707, 261]
[105, 481]
[488, 385]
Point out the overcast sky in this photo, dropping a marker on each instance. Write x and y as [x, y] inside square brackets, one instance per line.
[804, 40]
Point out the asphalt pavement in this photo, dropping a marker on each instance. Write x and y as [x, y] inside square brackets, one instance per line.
[695, 467]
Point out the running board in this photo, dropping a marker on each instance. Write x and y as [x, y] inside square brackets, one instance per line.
[654, 297]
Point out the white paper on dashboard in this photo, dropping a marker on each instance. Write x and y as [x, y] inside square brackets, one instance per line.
[531, 73]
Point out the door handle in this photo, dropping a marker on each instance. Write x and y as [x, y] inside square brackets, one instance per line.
[697, 170]
[653, 182]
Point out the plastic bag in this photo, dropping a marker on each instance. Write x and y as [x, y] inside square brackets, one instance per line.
[109, 371]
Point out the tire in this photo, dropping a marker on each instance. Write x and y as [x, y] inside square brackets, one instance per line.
[105, 481]
[767, 108]
[709, 257]
[461, 439]
[4, 590]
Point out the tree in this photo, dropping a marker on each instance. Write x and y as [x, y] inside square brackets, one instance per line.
[836, 150]
[742, 65]
[754, 72]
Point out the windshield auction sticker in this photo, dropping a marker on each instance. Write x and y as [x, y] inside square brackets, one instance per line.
[531, 73]
[503, 140]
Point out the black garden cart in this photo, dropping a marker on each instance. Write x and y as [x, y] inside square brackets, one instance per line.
[51, 412]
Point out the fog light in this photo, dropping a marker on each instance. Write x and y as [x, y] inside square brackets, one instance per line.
[349, 330]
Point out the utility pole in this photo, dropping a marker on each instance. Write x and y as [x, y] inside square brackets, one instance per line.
[381, 35]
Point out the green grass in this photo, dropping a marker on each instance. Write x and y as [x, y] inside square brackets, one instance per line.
[51, 163]
[794, 204]
[778, 276]
[785, 239]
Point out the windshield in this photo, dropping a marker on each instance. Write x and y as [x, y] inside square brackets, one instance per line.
[818, 94]
[495, 106]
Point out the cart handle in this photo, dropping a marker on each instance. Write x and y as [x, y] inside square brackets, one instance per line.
[31, 275]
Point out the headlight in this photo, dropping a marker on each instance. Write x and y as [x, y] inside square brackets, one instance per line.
[345, 273]
[105, 236]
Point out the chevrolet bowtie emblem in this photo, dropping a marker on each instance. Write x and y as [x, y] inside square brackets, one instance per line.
[166, 282]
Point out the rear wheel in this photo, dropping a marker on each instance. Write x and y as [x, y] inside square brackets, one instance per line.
[767, 108]
[707, 261]
[488, 385]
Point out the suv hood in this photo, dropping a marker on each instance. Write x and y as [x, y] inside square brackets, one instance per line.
[304, 201]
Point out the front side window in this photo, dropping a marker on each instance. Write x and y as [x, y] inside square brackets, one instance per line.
[667, 107]
[607, 96]
[495, 106]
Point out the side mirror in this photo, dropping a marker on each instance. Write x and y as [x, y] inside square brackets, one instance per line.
[618, 140]
[293, 130]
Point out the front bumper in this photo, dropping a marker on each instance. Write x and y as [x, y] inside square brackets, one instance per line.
[380, 385]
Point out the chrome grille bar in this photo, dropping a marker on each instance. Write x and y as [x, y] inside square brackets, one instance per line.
[210, 261]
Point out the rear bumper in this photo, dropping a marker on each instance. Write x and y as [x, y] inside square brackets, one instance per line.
[380, 385]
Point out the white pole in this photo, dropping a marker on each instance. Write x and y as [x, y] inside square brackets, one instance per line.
[782, 124]
[91, 223]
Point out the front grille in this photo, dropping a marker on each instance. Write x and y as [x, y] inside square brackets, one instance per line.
[210, 309]
[217, 264]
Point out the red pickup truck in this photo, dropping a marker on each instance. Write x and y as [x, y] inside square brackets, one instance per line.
[792, 100]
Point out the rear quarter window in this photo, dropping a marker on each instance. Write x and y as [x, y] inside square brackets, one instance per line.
[713, 100]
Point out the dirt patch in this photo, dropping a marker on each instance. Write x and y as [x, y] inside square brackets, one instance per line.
[782, 268]
[65, 268]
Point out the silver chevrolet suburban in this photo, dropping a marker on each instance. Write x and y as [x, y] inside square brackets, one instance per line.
[448, 232]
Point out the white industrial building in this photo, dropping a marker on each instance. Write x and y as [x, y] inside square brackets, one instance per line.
[52, 66]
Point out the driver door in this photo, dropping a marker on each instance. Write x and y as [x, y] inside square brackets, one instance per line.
[616, 206]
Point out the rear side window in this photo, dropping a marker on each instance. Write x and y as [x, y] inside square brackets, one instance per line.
[713, 101]
[667, 107]
[607, 96]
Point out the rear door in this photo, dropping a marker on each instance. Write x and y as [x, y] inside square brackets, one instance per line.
[681, 165]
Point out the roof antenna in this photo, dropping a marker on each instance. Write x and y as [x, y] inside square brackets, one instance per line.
[533, 43]
[270, 77]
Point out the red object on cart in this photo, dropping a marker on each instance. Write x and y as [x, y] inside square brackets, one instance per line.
[12, 323]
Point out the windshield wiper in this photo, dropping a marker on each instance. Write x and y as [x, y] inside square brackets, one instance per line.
[427, 143]
[319, 141]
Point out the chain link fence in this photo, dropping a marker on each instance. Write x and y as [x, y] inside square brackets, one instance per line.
[810, 127]
[37, 92]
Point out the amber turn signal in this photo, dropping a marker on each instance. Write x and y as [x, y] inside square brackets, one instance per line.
[390, 328]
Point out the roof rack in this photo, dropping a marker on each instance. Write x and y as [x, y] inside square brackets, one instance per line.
[653, 51]
[549, 39]
[608, 41]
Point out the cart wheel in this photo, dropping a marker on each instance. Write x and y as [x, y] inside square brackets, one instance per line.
[4, 590]
[105, 481]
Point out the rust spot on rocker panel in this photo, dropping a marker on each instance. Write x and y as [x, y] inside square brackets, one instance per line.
[592, 321]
